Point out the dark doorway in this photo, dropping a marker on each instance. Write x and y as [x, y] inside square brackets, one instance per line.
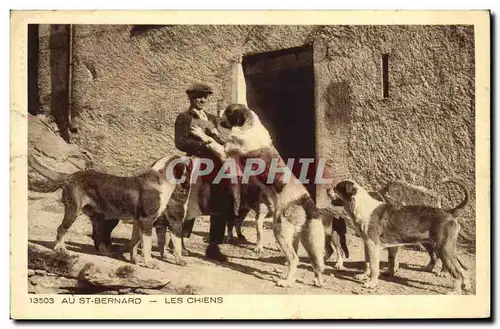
[33, 100]
[280, 88]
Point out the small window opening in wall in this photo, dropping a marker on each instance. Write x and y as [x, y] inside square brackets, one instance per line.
[385, 75]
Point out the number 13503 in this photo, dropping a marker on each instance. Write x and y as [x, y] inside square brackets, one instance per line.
[41, 300]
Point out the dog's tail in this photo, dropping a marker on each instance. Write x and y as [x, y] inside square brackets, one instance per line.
[56, 178]
[455, 212]
[466, 236]
[465, 267]
[43, 188]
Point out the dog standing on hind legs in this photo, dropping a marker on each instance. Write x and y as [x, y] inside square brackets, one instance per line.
[383, 225]
[295, 216]
[139, 200]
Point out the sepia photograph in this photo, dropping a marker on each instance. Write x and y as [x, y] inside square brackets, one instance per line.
[199, 161]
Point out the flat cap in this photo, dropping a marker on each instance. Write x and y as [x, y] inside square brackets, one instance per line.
[199, 88]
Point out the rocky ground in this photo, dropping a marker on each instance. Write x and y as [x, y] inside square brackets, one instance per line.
[246, 273]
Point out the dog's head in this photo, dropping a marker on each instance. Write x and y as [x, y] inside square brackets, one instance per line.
[235, 115]
[343, 192]
[175, 168]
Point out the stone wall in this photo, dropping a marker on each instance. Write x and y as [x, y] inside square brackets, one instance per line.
[424, 131]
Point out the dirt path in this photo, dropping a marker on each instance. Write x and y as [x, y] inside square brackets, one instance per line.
[247, 272]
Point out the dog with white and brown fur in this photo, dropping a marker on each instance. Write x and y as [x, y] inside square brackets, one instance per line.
[139, 200]
[384, 225]
[295, 216]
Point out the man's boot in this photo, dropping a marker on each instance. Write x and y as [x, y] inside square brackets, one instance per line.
[213, 252]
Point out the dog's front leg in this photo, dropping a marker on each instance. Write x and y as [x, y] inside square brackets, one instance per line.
[71, 211]
[230, 225]
[336, 242]
[259, 218]
[434, 265]
[134, 243]
[328, 247]
[393, 262]
[146, 237]
[101, 233]
[176, 237]
[374, 254]
[161, 235]
[283, 233]
[367, 270]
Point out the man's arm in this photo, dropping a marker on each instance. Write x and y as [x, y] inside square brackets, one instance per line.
[217, 149]
[184, 140]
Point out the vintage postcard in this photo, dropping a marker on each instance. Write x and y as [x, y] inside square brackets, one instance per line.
[250, 164]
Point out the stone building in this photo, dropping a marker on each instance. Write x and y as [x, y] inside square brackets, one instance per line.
[380, 103]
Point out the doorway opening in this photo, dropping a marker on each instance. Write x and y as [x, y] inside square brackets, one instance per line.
[280, 89]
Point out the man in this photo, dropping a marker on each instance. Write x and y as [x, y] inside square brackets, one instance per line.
[196, 134]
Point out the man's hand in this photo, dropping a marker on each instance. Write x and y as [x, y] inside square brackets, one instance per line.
[218, 150]
[198, 132]
[212, 145]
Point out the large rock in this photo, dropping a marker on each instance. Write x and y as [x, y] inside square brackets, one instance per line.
[51, 150]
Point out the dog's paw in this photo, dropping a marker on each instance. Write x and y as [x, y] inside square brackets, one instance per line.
[442, 274]
[181, 262]
[284, 283]
[362, 276]
[134, 260]
[60, 247]
[339, 266]
[466, 285]
[318, 283]
[431, 267]
[151, 264]
[371, 284]
[258, 249]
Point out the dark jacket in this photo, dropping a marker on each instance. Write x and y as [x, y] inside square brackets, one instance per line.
[185, 141]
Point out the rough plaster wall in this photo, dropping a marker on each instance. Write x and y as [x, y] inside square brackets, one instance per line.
[425, 131]
[129, 89]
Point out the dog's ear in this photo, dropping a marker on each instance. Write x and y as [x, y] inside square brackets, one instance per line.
[341, 189]
[335, 200]
[179, 170]
[330, 193]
